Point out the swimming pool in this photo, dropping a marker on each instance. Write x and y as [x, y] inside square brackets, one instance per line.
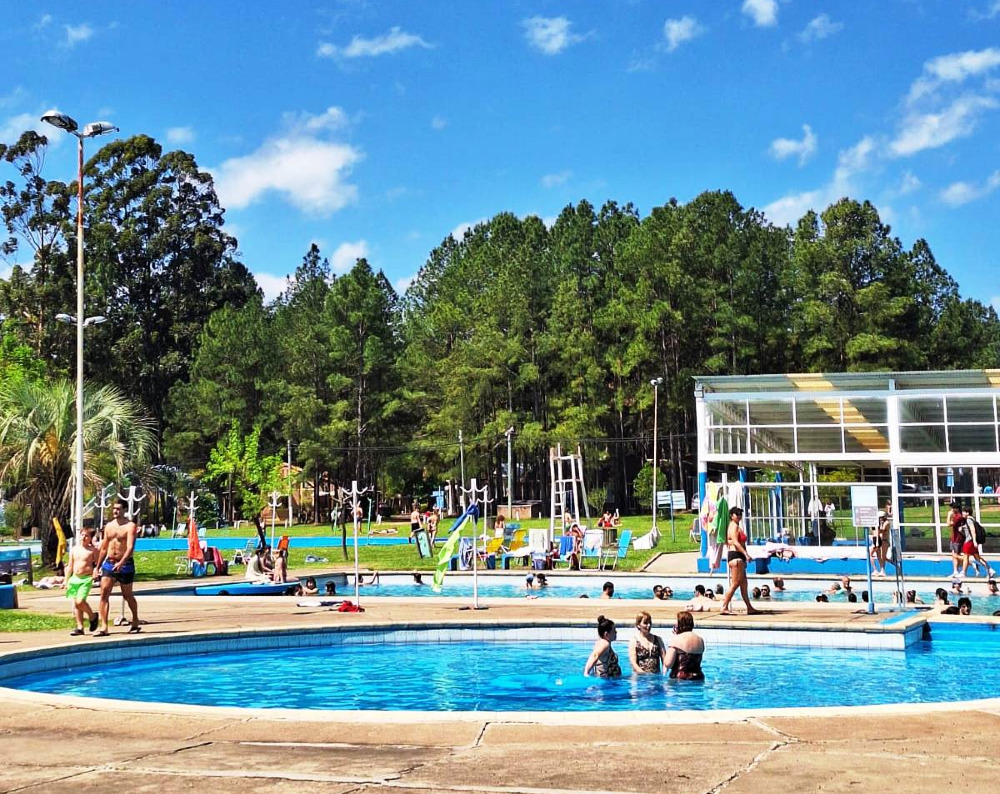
[641, 586]
[501, 670]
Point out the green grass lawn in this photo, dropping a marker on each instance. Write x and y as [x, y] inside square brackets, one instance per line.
[19, 620]
[162, 566]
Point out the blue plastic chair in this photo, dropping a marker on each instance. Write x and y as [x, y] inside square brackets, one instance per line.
[614, 553]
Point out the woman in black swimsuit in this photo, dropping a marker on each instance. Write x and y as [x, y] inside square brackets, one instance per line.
[646, 650]
[683, 655]
[603, 661]
[736, 560]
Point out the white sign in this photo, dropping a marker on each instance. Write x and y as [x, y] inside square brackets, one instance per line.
[663, 498]
[678, 500]
[864, 505]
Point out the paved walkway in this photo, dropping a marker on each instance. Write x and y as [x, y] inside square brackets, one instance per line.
[83, 748]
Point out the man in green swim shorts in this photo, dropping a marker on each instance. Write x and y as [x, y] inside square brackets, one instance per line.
[80, 578]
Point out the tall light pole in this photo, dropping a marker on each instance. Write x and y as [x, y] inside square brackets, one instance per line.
[510, 473]
[67, 124]
[655, 383]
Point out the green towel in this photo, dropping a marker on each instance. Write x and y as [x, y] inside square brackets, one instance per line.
[721, 519]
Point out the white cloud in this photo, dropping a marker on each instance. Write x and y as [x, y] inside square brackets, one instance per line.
[459, 231]
[75, 34]
[850, 162]
[677, 31]
[401, 285]
[908, 184]
[554, 180]
[954, 68]
[639, 62]
[439, 123]
[764, 13]
[177, 135]
[12, 128]
[550, 36]
[992, 11]
[393, 41]
[347, 255]
[272, 286]
[783, 148]
[959, 193]
[304, 169]
[820, 28]
[43, 22]
[330, 120]
[920, 131]
[16, 95]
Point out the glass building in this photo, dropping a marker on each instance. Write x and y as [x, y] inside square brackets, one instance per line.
[925, 439]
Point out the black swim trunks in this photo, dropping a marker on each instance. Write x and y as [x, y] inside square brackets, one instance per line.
[124, 575]
[733, 556]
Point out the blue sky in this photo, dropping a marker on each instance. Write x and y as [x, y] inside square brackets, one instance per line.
[377, 128]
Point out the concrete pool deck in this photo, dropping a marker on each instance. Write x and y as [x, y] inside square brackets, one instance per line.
[92, 746]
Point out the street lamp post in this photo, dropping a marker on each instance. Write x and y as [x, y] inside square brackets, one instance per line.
[655, 383]
[67, 124]
[510, 473]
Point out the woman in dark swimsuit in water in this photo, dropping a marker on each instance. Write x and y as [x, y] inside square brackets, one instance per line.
[603, 660]
[683, 655]
[646, 650]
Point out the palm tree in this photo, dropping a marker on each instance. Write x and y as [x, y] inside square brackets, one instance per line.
[38, 443]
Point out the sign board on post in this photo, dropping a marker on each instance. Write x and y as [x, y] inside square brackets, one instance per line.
[678, 500]
[864, 505]
[663, 498]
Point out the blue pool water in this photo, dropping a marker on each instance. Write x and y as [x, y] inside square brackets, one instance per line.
[545, 676]
[573, 587]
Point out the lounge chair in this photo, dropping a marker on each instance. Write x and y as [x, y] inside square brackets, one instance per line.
[593, 541]
[611, 554]
[566, 543]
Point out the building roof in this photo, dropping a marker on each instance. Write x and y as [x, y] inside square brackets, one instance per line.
[852, 381]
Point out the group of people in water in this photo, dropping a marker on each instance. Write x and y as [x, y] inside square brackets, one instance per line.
[679, 657]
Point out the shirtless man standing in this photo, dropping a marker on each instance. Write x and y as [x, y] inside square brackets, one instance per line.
[116, 565]
[80, 578]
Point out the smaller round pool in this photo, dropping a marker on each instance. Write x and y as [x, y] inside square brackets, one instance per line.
[366, 672]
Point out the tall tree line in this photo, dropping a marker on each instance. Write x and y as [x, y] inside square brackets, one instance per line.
[556, 331]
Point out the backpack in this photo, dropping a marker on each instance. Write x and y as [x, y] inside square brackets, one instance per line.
[978, 530]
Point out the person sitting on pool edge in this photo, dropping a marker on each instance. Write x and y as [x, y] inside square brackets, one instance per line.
[685, 650]
[603, 660]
